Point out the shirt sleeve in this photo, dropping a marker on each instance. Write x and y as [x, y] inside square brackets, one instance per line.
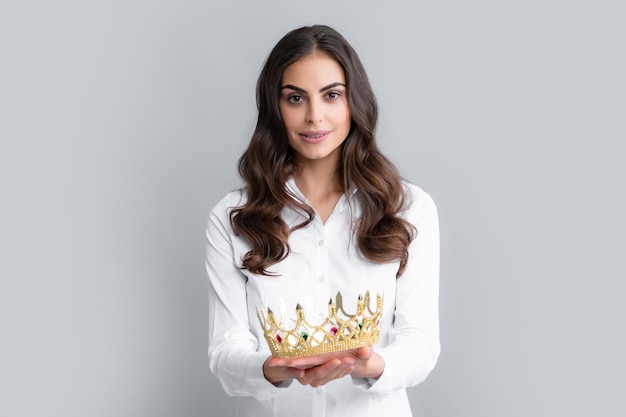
[414, 345]
[233, 355]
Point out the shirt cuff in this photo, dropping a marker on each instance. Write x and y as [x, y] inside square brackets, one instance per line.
[261, 387]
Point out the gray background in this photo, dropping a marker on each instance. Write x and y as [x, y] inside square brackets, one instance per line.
[121, 123]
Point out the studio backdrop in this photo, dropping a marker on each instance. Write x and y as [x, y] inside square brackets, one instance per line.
[121, 123]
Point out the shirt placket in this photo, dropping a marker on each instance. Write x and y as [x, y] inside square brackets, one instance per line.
[321, 267]
[319, 402]
[320, 295]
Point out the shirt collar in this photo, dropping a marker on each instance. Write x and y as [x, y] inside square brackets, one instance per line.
[293, 188]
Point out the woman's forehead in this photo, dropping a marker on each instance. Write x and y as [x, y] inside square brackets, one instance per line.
[315, 69]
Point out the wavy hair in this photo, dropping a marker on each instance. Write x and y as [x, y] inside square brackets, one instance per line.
[268, 163]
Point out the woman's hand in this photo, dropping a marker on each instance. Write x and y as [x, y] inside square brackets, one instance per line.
[320, 369]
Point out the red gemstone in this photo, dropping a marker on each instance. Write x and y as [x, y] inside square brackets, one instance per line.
[333, 330]
[280, 339]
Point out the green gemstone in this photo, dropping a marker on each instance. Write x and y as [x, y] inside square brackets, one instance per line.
[304, 335]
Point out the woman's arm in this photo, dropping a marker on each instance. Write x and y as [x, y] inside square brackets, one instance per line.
[233, 355]
[414, 347]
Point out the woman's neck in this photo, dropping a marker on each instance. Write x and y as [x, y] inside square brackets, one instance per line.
[321, 186]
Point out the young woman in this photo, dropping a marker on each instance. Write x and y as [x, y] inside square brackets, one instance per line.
[323, 211]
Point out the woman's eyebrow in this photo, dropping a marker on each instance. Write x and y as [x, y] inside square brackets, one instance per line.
[303, 91]
[293, 87]
[329, 86]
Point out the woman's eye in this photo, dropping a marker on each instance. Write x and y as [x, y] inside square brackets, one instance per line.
[295, 99]
[333, 95]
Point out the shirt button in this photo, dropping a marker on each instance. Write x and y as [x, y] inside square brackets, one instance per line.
[318, 390]
[321, 242]
[321, 278]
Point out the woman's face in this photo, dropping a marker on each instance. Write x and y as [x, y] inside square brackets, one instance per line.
[314, 107]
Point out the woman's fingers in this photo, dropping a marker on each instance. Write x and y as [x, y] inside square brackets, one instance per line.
[342, 370]
[321, 369]
[364, 352]
[307, 362]
[321, 375]
[302, 363]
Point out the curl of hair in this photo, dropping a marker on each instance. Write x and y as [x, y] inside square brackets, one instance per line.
[267, 164]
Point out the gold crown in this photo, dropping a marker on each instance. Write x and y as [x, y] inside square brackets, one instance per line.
[338, 331]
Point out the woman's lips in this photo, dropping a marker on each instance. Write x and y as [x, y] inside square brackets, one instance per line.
[314, 137]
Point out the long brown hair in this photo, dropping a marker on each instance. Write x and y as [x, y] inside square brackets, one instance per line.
[268, 163]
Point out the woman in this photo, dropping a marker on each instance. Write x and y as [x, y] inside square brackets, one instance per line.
[323, 211]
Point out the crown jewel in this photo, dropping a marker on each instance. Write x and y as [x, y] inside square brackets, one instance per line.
[337, 331]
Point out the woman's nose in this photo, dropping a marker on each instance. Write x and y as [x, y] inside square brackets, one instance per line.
[314, 112]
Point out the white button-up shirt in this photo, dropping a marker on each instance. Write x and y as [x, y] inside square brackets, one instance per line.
[324, 260]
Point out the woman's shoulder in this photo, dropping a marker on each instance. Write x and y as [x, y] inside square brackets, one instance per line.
[415, 193]
[417, 199]
[230, 201]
